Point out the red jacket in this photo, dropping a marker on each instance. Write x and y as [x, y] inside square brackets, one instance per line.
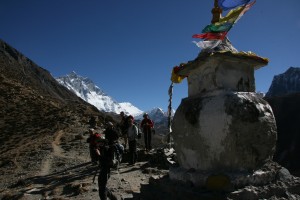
[93, 139]
[146, 125]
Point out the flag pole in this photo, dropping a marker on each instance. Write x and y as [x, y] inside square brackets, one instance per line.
[170, 92]
[216, 12]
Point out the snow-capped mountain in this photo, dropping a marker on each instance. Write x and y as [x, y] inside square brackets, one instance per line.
[286, 83]
[88, 91]
[157, 115]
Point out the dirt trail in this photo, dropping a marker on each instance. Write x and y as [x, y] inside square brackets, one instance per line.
[56, 151]
[67, 173]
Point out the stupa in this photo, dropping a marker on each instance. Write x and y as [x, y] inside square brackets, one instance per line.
[223, 126]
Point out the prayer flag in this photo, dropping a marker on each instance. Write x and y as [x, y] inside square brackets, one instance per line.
[207, 44]
[211, 36]
[215, 28]
[231, 16]
[229, 4]
[174, 77]
[235, 14]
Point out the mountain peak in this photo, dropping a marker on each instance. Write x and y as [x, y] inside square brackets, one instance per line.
[285, 83]
[91, 93]
[293, 69]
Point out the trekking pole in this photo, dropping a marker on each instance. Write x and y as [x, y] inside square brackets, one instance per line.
[94, 178]
[99, 167]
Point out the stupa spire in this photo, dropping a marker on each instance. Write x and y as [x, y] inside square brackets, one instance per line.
[216, 12]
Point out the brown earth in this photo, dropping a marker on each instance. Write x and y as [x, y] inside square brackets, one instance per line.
[63, 171]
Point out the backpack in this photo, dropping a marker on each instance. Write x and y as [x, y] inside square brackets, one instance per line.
[139, 136]
[110, 154]
[117, 153]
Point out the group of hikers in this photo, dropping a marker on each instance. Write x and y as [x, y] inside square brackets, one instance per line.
[106, 151]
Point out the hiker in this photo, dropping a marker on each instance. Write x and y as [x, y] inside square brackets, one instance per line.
[132, 140]
[92, 122]
[147, 125]
[112, 138]
[111, 134]
[92, 140]
[105, 155]
[124, 126]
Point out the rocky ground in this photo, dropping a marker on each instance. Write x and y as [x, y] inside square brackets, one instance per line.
[62, 170]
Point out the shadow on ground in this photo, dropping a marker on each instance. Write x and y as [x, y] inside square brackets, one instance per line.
[65, 179]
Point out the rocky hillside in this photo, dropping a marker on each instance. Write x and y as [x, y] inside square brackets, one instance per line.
[286, 109]
[284, 98]
[43, 149]
[33, 108]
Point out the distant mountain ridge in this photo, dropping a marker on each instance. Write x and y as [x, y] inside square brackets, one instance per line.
[88, 91]
[286, 83]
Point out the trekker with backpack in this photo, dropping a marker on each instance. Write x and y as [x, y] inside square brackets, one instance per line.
[93, 140]
[124, 126]
[147, 125]
[132, 140]
[111, 134]
[106, 155]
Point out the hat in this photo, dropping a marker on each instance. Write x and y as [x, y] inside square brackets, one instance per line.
[145, 114]
[110, 124]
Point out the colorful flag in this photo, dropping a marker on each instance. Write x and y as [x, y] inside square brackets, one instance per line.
[231, 16]
[246, 8]
[175, 78]
[207, 44]
[229, 4]
[211, 36]
[216, 28]
[235, 14]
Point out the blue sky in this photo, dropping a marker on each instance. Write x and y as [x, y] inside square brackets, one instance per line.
[129, 47]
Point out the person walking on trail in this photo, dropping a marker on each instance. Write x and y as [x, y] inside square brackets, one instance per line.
[111, 134]
[93, 122]
[105, 157]
[147, 125]
[124, 128]
[132, 140]
[93, 140]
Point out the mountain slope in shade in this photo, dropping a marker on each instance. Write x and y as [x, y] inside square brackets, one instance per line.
[284, 97]
[286, 83]
[88, 91]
